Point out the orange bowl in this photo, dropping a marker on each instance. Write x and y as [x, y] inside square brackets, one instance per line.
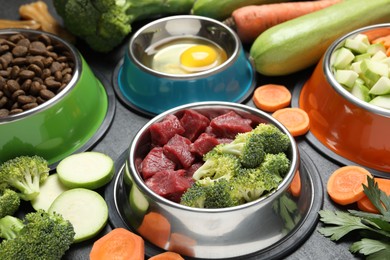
[348, 126]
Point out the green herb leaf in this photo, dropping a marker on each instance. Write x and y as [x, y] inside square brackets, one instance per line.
[378, 198]
[376, 249]
[343, 221]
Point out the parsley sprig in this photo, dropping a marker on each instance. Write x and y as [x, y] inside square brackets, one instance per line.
[374, 228]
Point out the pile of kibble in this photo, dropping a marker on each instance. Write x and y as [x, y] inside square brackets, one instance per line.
[33, 70]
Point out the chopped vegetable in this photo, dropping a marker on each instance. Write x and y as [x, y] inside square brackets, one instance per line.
[155, 228]
[40, 235]
[118, 244]
[251, 20]
[294, 119]
[89, 170]
[362, 67]
[365, 204]
[24, 174]
[26, 24]
[271, 97]
[50, 189]
[39, 12]
[374, 228]
[167, 256]
[345, 184]
[85, 209]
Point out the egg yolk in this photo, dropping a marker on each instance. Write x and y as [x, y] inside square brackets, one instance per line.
[198, 57]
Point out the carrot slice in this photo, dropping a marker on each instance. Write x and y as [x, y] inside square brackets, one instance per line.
[271, 97]
[295, 186]
[167, 256]
[296, 120]
[345, 185]
[119, 243]
[365, 204]
[155, 228]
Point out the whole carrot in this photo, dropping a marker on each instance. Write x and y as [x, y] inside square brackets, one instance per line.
[250, 21]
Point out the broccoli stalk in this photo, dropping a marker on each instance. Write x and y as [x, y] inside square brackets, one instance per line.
[104, 24]
[248, 147]
[41, 236]
[9, 202]
[25, 174]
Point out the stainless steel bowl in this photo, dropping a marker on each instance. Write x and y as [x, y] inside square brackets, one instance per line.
[208, 233]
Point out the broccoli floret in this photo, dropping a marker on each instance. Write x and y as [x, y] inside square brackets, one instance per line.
[273, 139]
[9, 202]
[25, 174]
[10, 227]
[247, 147]
[252, 183]
[218, 194]
[43, 236]
[276, 164]
[194, 196]
[217, 166]
[104, 24]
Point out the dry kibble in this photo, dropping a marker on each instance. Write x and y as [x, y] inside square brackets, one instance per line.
[32, 71]
[4, 112]
[27, 74]
[37, 48]
[23, 99]
[18, 93]
[19, 51]
[12, 85]
[46, 94]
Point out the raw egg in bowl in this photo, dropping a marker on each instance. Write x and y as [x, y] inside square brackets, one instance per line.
[182, 59]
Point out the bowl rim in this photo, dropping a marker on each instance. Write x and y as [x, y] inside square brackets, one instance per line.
[77, 71]
[337, 86]
[139, 182]
[229, 62]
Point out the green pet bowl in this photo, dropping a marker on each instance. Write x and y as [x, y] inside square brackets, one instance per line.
[69, 122]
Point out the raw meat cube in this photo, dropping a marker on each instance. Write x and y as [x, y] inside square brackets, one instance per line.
[162, 131]
[228, 125]
[194, 124]
[154, 162]
[178, 150]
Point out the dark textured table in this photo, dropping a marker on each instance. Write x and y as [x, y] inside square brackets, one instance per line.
[126, 123]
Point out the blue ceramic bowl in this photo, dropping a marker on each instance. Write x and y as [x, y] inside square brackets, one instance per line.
[153, 92]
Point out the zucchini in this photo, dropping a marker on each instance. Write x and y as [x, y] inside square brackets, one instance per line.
[89, 170]
[222, 9]
[299, 43]
[85, 209]
[48, 192]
